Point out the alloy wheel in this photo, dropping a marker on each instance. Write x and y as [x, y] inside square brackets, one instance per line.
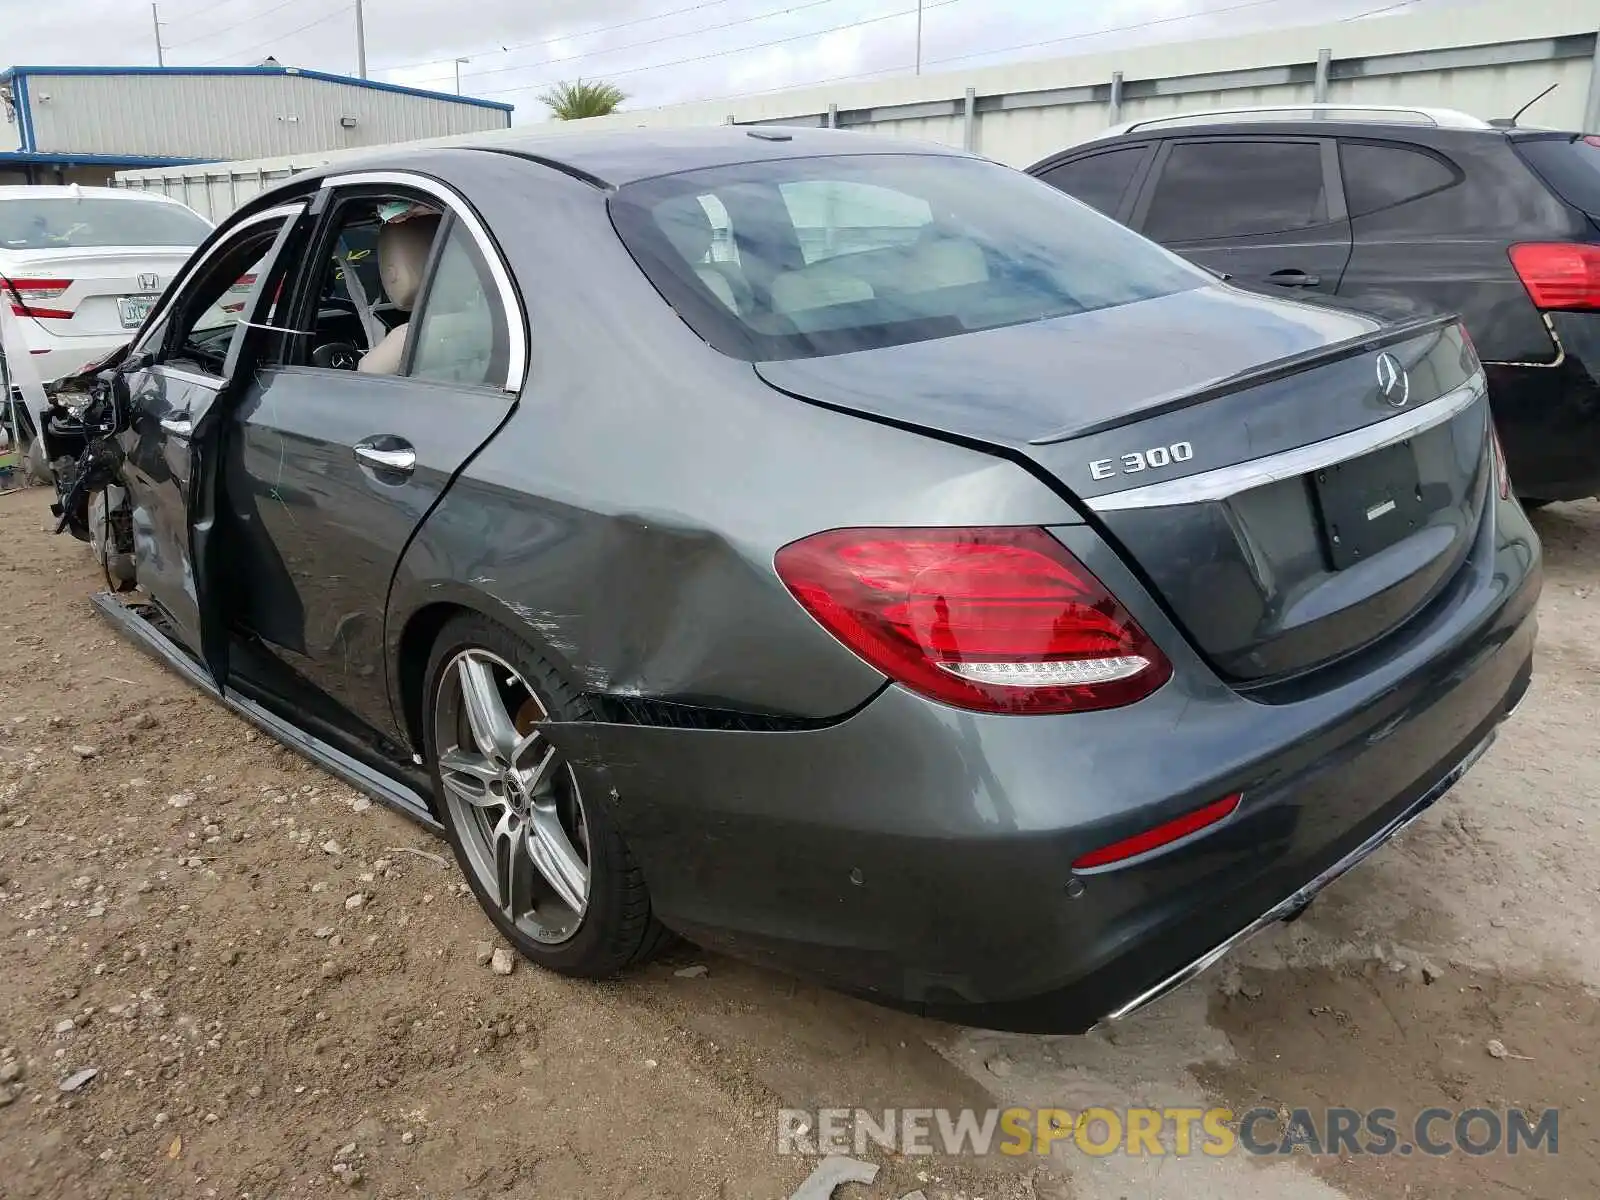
[512, 796]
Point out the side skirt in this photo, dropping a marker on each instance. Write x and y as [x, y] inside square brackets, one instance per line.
[358, 775]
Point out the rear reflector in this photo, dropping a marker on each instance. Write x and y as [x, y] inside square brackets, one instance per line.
[25, 294]
[1161, 835]
[1559, 275]
[994, 620]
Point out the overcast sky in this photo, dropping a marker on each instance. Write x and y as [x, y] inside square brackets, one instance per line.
[658, 51]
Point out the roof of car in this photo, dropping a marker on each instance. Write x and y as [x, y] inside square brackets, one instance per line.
[624, 156]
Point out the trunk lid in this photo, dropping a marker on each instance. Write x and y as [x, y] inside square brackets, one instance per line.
[110, 290]
[1291, 480]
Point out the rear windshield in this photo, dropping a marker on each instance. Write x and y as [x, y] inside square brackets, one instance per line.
[798, 258]
[51, 224]
[1570, 165]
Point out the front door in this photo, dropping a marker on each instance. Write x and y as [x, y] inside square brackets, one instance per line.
[340, 448]
[1267, 211]
[173, 380]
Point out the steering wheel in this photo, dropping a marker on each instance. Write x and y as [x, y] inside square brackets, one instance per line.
[339, 356]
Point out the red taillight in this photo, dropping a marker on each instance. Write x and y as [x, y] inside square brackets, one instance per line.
[1161, 835]
[1559, 274]
[1502, 474]
[996, 620]
[24, 295]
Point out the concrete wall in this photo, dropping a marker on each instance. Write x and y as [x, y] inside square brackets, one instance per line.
[1487, 59]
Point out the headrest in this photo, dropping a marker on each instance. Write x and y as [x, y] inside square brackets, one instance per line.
[403, 256]
[686, 225]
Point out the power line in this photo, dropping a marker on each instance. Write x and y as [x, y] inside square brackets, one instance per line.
[788, 87]
[1078, 37]
[670, 37]
[539, 41]
[798, 37]
[229, 28]
[340, 12]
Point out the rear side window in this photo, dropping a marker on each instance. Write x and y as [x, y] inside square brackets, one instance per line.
[841, 253]
[1570, 165]
[1382, 176]
[1099, 180]
[1237, 189]
[460, 337]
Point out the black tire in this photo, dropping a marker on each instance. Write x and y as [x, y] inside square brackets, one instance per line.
[617, 927]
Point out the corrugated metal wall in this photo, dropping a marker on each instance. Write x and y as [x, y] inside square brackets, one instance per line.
[1487, 59]
[233, 116]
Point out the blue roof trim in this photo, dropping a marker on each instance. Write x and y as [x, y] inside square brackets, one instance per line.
[19, 99]
[59, 159]
[325, 76]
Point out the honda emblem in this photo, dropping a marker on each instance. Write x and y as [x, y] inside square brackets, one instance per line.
[150, 283]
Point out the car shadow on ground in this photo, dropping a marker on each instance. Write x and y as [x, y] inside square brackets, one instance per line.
[1571, 536]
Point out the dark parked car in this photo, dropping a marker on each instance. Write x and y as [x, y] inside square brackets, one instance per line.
[853, 555]
[1405, 209]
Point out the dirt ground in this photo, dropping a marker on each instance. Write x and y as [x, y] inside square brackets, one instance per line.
[278, 983]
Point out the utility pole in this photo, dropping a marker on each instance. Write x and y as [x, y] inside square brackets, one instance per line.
[459, 61]
[155, 22]
[361, 42]
[919, 37]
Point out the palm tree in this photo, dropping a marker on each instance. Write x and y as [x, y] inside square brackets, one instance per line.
[574, 101]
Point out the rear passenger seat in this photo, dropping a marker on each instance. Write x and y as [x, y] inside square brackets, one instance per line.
[923, 266]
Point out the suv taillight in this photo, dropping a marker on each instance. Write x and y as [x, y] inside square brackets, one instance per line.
[995, 620]
[25, 295]
[1559, 275]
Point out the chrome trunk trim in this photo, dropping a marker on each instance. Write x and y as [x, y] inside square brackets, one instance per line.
[1223, 482]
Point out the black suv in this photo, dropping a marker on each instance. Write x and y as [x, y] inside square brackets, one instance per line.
[1400, 210]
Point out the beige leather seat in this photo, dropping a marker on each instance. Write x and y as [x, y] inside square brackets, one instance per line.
[403, 248]
[688, 228]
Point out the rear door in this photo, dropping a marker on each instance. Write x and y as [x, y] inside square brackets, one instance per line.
[331, 470]
[1267, 211]
[174, 378]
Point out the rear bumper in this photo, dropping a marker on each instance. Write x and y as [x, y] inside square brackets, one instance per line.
[920, 856]
[53, 357]
[1549, 417]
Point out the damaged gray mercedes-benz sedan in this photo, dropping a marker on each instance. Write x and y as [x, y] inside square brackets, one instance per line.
[852, 555]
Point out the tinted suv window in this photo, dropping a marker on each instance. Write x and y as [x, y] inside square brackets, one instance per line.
[1570, 165]
[1099, 180]
[860, 251]
[1377, 176]
[1236, 189]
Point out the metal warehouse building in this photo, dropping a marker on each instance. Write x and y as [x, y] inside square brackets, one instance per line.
[82, 124]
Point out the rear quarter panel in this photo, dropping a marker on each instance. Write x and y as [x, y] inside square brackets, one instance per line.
[1447, 252]
[625, 517]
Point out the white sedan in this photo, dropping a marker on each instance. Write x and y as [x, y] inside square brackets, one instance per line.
[81, 267]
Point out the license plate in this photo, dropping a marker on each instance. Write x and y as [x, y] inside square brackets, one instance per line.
[1370, 503]
[134, 309]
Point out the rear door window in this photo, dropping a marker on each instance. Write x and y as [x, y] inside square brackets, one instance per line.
[1380, 175]
[1100, 180]
[1223, 189]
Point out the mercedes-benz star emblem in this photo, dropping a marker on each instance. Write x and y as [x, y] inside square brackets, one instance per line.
[1394, 385]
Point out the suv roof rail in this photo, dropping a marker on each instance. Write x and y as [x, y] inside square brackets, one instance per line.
[1442, 118]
